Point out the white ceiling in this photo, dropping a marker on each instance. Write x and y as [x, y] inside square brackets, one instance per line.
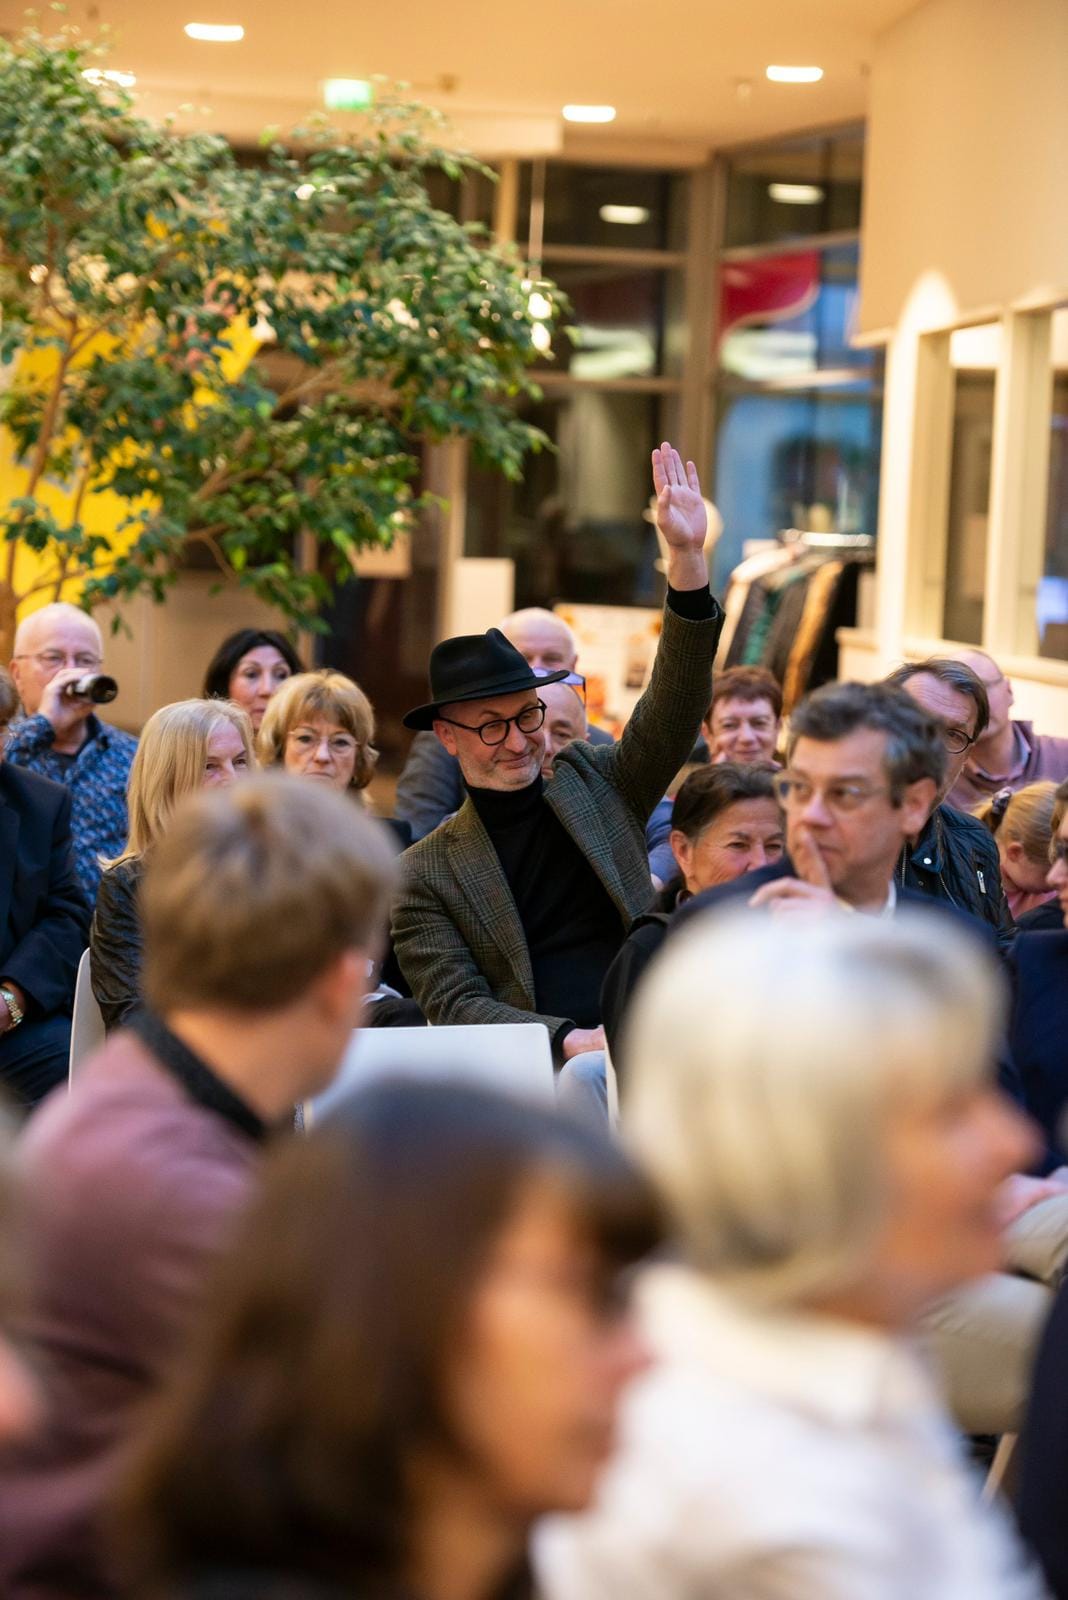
[671, 67]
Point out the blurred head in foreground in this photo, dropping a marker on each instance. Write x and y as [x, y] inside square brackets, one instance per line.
[417, 1347]
[835, 1140]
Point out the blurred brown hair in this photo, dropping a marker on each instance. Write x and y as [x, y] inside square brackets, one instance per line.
[254, 890]
[747, 684]
[284, 1444]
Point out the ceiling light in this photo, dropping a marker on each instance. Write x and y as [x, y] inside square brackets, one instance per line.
[796, 194]
[630, 216]
[794, 74]
[348, 94]
[215, 32]
[98, 76]
[589, 113]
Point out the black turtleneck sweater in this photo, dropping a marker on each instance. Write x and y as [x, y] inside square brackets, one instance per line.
[573, 930]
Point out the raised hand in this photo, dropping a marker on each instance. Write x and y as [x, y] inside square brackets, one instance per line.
[680, 510]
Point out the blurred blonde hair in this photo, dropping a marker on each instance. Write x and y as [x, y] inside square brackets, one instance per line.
[766, 1127]
[169, 763]
[1026, 818]
[325, 694]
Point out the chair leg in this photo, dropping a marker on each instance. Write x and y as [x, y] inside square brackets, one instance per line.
[1000, 1478]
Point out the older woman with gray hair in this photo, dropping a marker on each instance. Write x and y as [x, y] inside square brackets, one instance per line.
[818, 1107]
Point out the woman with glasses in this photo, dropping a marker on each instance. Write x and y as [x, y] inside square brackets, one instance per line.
[414, 1350]
[320, 725]
[193, 744]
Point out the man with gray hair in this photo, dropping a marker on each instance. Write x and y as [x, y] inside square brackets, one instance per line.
[431, 788]
[61, 737]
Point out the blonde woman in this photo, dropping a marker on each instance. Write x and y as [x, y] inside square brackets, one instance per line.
[193, 744]
[1022, 825]
[320, 725]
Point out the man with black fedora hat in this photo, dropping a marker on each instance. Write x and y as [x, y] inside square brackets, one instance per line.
[512, 910]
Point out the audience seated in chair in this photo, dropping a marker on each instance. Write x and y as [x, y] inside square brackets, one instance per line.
[44, 925]
[832, 1150]
[248, 668]
[952, 857]
[193, 744]
[431, 789]
[261, 907]
[414, 1350]
[726, 822]
[62, 738]
[1008, 754]
[514, 909]
[1023, 826]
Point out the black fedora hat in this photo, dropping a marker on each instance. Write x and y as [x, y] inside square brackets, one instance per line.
[474, 666]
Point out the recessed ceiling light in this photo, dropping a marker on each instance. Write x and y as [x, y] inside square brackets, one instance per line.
[796, 194]
[794, 74]
[589, 113]
[99, 75]
[348, 94]
[628, 216]
[215, 32]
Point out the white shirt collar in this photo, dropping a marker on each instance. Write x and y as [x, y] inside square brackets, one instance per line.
[838, 1371]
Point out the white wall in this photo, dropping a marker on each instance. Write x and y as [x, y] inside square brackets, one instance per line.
[965, 221]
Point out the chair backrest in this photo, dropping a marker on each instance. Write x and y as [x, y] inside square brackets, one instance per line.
[515, 1057]
[86, 1023]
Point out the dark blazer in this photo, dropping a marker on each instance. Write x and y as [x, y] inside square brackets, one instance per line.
[430, 788]
[44, 916]
[1039, 1036]
[653, 928]
[456, 929]
[115, 942]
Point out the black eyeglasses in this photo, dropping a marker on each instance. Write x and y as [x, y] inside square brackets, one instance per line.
[529, 720]
[956, 740]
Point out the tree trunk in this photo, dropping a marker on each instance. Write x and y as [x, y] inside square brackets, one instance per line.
[7, 622]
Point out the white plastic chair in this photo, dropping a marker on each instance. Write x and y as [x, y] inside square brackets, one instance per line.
[87, 1022]
[514, 1057]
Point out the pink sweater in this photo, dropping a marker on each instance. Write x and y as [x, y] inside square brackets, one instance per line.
[131, 1188]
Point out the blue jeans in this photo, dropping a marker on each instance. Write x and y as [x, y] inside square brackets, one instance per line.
[582, 1089]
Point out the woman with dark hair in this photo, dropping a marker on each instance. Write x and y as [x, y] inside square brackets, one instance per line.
[248, 667]
[415, 1349]
[725, 822]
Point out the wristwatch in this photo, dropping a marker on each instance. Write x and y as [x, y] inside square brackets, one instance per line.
[14, 1010]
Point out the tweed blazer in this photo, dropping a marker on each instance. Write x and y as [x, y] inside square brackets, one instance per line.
[456, 928]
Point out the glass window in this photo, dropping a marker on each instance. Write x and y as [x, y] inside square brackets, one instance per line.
[974, 354]
[1052, 599]
[785, 315]
[626, 208]
[805, 460]
[620, 321]
[574, 525]
[796, 189]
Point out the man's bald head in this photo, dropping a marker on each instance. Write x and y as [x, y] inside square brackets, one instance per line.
[543, 638]
[34, 631]
[565, 721]
[998, 690]
[55, 638]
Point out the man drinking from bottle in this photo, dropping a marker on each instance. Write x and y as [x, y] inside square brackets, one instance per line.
[61, 737]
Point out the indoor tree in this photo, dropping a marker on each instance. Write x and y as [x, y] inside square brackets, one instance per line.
[133, 262]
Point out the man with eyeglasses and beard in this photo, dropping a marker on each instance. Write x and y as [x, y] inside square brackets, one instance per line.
[513, 909]
[60, 736]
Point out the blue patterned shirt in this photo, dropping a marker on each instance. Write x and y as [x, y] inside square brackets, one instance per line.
[96, 777]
